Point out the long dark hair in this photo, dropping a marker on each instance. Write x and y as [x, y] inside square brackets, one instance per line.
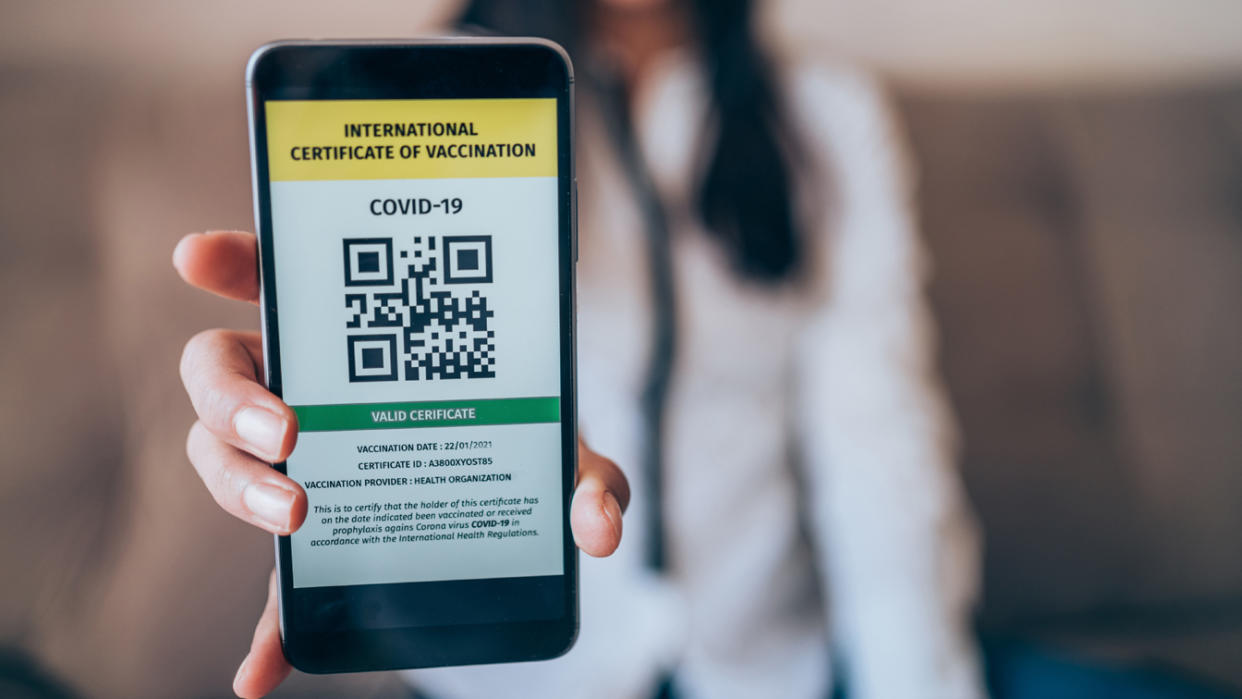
[745, 197]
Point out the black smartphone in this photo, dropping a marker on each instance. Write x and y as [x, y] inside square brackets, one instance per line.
[416, 223]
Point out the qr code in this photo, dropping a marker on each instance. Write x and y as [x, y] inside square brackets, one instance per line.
[421, 314]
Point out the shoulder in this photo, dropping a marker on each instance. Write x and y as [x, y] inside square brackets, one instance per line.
[844, 123]
[816, 87]
[841, 111]
[855, 147]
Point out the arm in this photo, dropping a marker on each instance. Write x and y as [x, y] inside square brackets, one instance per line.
[894, 536]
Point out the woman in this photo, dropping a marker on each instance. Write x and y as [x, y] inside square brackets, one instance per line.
[754, 348]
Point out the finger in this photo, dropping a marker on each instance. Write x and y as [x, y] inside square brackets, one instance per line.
[265, 666]
[222, 262]
[245, 487]
[600, 497]
[220, 371]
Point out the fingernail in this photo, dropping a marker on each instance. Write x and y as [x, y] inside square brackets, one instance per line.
[270, 503]
[263, 430]
[179, 250]
[612, 510]
[241, 671]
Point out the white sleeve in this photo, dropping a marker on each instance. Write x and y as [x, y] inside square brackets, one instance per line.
[893, 533]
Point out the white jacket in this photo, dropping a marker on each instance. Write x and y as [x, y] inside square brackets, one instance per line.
[811, 503]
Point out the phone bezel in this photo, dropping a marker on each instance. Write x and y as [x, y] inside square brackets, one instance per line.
[458, 67]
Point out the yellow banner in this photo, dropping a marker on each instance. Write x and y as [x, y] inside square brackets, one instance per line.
[410, 139]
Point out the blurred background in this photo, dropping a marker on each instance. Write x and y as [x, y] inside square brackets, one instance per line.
[1080, 170]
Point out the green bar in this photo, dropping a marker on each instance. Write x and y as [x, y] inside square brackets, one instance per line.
[451, 413]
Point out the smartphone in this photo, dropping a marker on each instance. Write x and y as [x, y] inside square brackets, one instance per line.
[415, 210]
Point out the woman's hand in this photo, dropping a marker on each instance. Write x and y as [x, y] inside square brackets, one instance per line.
[242, 428]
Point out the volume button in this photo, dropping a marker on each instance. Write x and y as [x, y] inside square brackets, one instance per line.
[574, 222]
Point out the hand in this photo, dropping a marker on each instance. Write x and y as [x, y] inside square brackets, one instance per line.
[242, 428]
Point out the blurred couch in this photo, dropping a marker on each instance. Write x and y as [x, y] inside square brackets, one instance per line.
[1088, 287]
[1088, 253]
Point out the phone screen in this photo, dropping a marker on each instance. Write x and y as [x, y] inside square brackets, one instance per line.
[416, 310]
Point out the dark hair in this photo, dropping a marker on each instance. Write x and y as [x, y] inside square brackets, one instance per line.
[745, 197]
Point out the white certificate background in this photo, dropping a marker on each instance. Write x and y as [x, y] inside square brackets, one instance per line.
[309, 222]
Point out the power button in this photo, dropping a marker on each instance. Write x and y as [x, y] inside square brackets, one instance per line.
[574, 221]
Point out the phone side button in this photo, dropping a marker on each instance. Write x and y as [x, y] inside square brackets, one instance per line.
[574, 222]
